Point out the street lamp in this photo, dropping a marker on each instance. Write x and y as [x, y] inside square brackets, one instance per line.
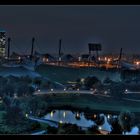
[26, 115]
[100, 128]
[108, 116]
[126, 91]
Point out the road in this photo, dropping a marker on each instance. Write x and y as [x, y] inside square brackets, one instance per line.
[55, 91]
[49, 122]
[39, 132]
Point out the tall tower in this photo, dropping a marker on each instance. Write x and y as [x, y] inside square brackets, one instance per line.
[32, 49]
[2, 44]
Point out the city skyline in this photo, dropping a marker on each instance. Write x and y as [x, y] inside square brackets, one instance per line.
[114, 27]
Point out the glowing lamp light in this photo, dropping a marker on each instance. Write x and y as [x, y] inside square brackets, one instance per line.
[94, 115]
[100, 128]
[64, 89]
[60, 121]
[78, 89]
[137, 63]
[82, 79]
[26, 115]
[126, 91]
[125, 118]
[51, 114]
[51, 89]
[108, 116]
[38, 90]
[78, 115]
[64, 114]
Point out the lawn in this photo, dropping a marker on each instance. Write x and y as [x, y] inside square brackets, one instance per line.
[93, 102]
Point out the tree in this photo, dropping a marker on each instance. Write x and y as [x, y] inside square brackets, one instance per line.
[126, 120]
[7, 101]
[13, 115]
[22, 89]
[107, 80]
[26, 79]
[116, 128]
[9, 89]
[117, 90]
[90, 82]
[93, 130]
[52, 130]
[100, 120]
[37, 82]
[30, 90]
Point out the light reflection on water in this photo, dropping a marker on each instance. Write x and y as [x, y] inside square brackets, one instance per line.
[69, 117]
[66, 116]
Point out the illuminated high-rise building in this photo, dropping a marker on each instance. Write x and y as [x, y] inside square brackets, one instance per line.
[2, 43]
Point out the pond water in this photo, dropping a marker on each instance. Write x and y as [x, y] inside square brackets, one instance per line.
[66, 116]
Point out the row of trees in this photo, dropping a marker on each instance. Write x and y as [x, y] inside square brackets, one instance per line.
[20, 85]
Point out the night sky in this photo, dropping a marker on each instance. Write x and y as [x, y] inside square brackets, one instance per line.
[112, 26]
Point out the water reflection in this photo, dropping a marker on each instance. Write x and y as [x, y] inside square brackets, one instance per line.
[51, 114]
[60, 115]
[64, 114]
[80, 119]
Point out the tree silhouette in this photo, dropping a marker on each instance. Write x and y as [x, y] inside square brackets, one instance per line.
[126, 120]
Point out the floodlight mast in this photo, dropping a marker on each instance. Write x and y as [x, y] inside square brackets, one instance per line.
[8, 53]
[32, 49]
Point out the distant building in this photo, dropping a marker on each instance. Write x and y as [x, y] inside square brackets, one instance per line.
[68, 57]
[2, 44]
